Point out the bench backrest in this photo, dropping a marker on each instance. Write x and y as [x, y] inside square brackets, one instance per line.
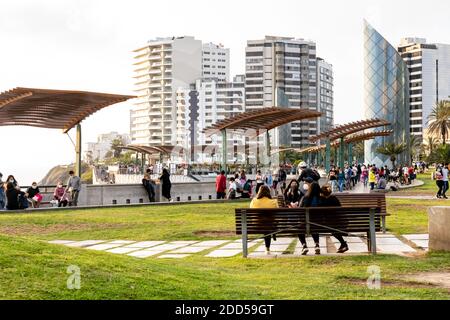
[293, 220]
[358, 199]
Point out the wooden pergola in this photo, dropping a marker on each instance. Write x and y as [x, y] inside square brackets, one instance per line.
[54, 109]
[262, 119]
[343, 131]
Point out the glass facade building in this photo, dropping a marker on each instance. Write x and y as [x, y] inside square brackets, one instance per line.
[386, 89]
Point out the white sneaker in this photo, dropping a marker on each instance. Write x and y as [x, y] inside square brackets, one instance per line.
[305, 250]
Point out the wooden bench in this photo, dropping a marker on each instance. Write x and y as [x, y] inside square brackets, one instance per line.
[351, 200]
[322, 220]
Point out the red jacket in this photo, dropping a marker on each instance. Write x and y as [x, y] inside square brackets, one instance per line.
[221, 183]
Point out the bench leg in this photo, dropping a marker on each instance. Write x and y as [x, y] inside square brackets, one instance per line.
[383, 224]
[244, 234]
[373, 239]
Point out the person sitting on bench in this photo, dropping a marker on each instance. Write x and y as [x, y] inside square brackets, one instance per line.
[328, 200]
[264, 200]
[293, 195]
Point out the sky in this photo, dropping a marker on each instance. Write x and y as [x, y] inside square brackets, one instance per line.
[87, 45]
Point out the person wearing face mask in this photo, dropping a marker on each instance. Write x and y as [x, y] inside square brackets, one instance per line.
[73, 187]
[12, 180]
[2, 194]
[61, 195]
[12, 196]
[293, 195]
[33, 195]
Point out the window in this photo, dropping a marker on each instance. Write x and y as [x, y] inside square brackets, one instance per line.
[253, 54]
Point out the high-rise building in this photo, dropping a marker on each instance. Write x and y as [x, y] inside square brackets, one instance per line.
[162, 66]
[386, 87]
[215, 62]
[429, 68]
[325, 95]
[204, 104]
[98, 150]
[282, 72]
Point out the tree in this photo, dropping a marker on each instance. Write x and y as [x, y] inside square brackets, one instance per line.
[431, 144]
[439, 120]
[392, 150]
[358, 150]
[414, 146]
[114, 147]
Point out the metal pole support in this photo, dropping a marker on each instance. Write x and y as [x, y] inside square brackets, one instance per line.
[78, 151]
[373, 239]
[244, 233]
[341, 153]
[224, 150]
[327, 155]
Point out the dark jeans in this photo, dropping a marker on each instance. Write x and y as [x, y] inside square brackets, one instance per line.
[62, 203]
[74, 198]
[440, 185]
[339, 237]
[302, 239]
[372, 185]
[445, 188]
[220, 195]
[267, 240]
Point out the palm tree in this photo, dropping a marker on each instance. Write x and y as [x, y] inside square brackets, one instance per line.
[439, 120]
[358, 150]
[392, 150]
[414, 146]
[431, 143]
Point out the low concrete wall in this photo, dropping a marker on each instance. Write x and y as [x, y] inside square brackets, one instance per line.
[97, 195]
[438, 228]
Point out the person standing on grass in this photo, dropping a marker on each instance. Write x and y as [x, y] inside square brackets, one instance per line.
[439, 183]
[166, 184]
[221, 185]
[445, 180]
[73, 187]
[264, 200]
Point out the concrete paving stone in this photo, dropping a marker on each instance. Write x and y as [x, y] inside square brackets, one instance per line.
[273, 248]
[184, 242]
[391, 241]
[311, 244]
[190, 249]
[144, 244]
[103, 246]
[61, 241]
[122, 250]
[167, 246]
[211, 243]
[122, 242]
[348, 240]
[393, 248]
[283, 240]
[237, 245]
[424, 236]
[144, 253]
[223, 253]
[357, 247]
[173, 256]
[84, 243]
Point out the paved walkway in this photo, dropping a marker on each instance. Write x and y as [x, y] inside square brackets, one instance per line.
[283, 247]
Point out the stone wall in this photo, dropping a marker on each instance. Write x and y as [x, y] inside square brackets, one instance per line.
[438, 228]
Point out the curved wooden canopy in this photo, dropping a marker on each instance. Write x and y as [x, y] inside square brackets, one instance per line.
[262, 119]
[368, 135]
[53, 109]
[151, 150]
[344, 130]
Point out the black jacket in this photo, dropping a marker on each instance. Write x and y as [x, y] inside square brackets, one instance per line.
[13, 199]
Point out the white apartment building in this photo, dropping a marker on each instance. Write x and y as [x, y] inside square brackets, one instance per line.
[97, 150]
[282, 71]
[429, 68]
[325, 94]
[215, 62]
[162, 66]
[201, 106]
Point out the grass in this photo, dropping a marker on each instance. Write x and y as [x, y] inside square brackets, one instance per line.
[31, 268]
[428, 188]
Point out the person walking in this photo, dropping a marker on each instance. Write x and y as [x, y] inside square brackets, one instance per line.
[149, 187]
[73, 188]
[364, 176]
[332, 177]
[341, 179]
[311, 199]
[221, 185]
[166, 184]
[264, 200]
[259, 181]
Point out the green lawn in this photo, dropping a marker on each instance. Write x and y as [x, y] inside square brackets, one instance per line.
[429, 187]
[34, 269]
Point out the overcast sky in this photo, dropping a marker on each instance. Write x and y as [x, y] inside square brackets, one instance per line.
[87, 45]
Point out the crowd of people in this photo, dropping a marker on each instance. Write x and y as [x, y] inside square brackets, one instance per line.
[13, 198]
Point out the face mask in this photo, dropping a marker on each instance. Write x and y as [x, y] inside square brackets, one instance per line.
[34, 187]
[305, 187]
[59, 185]
[11, 180]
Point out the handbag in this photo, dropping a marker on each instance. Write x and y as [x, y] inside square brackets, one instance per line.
[37, 197]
